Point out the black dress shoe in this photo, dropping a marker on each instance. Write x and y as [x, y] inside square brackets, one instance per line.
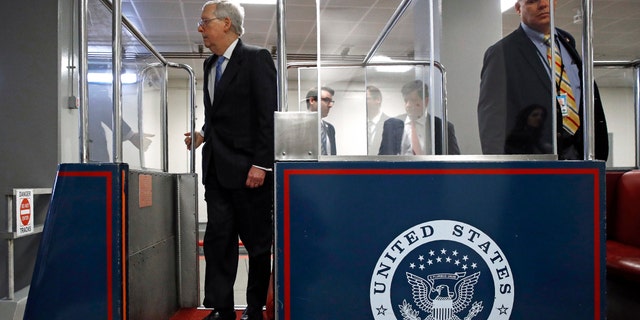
[218, 315]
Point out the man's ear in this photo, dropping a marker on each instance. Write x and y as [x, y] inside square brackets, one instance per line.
[227, 24]
[517, 7]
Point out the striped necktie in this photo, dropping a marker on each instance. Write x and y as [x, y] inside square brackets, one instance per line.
[219, 69]
[323, 139]
[570, 116]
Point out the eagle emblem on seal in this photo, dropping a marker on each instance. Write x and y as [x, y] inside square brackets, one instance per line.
[442, 296]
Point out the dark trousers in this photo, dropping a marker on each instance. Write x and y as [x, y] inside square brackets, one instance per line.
[233, 213]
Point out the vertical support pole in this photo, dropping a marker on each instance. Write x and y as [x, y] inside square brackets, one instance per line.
[82, 79]
[281, 54]
[165, 121]
[636, 90]
[10, 251]
[116, 61]
[587, 81]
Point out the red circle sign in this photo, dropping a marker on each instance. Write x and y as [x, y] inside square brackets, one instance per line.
[25, 211]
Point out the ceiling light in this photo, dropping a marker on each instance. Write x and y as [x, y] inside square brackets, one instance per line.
[105, 77]
[391, 67]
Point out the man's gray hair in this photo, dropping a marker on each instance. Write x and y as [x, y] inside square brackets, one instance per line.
[231, 9]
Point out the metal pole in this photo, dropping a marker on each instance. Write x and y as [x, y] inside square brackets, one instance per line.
[281, 54]
[10, 250]
[402, 7]
[82, 79]
[636, 69]
[587, 81]
[137, 34]
[140, 90]
[192, 118]
[116, 61]
[164, 116]
[552, 79]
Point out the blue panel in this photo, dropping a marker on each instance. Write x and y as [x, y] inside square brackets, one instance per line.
[361, 240]
[80, 268]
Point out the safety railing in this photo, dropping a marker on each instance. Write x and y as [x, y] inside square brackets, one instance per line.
[118, 20]
[22, 226]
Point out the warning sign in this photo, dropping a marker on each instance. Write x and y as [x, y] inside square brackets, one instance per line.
[24, 211]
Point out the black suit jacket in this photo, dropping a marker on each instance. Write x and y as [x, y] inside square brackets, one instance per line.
[513, 77]
[331, 134]
[238, 126]
[393, 131]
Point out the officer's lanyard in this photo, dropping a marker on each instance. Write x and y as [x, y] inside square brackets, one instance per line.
[552, 70]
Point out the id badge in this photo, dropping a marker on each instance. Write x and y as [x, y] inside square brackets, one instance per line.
[562, 102]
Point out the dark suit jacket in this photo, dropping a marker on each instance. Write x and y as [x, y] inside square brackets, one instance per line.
[393, 131]
[331, 134]
[513, 77]
[238, 126]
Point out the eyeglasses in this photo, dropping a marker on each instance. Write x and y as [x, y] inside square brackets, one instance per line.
[328, 100]
[203, 22]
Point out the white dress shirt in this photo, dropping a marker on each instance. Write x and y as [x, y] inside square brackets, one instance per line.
[423, 130]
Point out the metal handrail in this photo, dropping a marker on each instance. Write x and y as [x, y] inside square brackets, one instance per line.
[192, 117]
[10, 235]
[618, 63]
[400, 10]
[117, 136]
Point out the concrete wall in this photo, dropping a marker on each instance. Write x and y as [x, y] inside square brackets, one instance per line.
[29, 100]
[462, 52]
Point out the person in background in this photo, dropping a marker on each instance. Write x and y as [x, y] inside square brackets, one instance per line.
[240, 98]
[516, 73]
[409, 134]
[327, 131]
[526, 136]
[100, 106]
[375, 119]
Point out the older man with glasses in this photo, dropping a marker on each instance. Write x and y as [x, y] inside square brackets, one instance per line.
[240, 97]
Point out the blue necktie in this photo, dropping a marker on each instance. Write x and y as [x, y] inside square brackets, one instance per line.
[219, 69]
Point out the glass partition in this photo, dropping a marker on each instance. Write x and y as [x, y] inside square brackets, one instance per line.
[506, 86]
[617, 86]
[142, 95]
[491, 105]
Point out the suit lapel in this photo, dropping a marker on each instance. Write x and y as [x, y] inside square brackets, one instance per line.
[530, 54]
[230, 71]
[208, 64]
[569, 44]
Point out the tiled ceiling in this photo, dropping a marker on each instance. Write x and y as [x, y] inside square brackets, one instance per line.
[616, 26]
[352, 26]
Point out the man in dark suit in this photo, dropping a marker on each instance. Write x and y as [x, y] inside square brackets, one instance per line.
[327, 131]
[408, 134]
[516, 75]
[237, 159]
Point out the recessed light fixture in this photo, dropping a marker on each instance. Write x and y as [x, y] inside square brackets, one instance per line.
[389, 68]
[105, 77]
